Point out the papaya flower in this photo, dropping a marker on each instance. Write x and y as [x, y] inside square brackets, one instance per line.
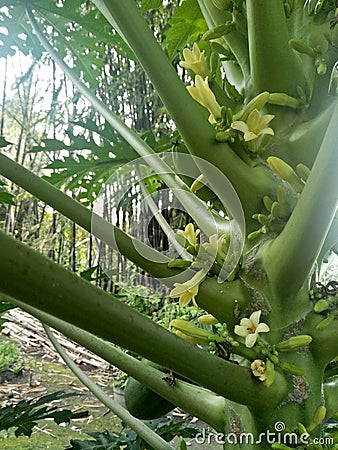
[195, 60]
[250, 328]
[202, 93]
[187, 291]
[216, 245]
[189, 234]
[258, 369]
[255, 125]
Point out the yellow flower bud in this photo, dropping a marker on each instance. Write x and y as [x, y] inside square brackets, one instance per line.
[321, 305]
[303, 171]
[319, 415]
[282, 99]
[294, 343]
[202, 93]
[198, 183]
[318, 418]
[208, 319]
[191, 339]
[257, 102]
[294, 370]
[325, 323]
[302, 47]
[301, 428]
[191, 330]
[285, 172]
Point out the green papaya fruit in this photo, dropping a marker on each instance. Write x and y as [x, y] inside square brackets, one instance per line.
[142, 402]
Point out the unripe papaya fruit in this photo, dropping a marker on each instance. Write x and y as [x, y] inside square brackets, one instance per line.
[142, 402]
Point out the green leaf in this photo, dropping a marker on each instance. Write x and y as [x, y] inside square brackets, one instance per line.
[128, 439]
[88, 274]
[94, 29]
[3, 142]
[25, 414]
[172, 429]
[15, 32]
[187, 24]
[147, 5]
[4, 307]
[102, 441]
[7, 198]
[49, 145]
[86, 172]
[6, 50]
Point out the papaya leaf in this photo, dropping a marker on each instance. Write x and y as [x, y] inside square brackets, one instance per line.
[87, 174]
[4, 307]
[88, 274]
[88, 165]
[6, 197]
[5, 48]
[187, 24]
[129, 440]
[25, 414]
[102, 441]
[84, 34]
[3, 142]
[86, 38]
[15, 32]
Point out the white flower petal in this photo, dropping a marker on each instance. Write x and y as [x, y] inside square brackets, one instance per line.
[241, 331]
[251, 339]
[240, 126]
[253, 120]
[185, 299]
[262, 328]
[255, 316]
[188, 290]
[247, 323]
[254, 125]
[178, 290]
[266, 131]
[250, 136]
[264, 120]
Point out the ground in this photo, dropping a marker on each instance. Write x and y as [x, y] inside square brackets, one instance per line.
[41, 371]
[44, 373]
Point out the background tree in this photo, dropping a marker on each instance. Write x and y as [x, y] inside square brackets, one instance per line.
[260, 112]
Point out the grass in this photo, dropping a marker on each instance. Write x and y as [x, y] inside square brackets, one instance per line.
[47, 378]
[9, 356]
